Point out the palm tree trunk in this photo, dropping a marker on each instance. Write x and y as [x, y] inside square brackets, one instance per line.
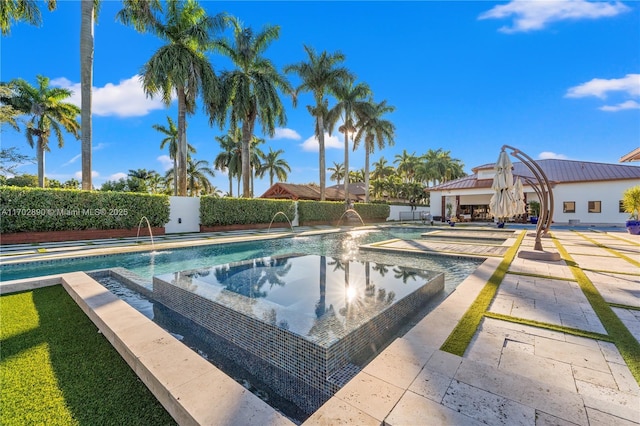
[346, 166]
[246, 161]
[321, 308]
[323, 178]
[175, 170]
[181, 177]
[366, 173]
[87, 9]
[252, 175]
[40, 155]
[230, 183]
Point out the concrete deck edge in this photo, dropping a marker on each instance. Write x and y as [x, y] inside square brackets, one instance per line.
[152, 353]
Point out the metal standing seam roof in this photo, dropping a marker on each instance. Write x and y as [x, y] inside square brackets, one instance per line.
[557, 171]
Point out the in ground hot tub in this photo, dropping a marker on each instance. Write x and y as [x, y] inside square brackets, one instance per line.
[310, 319]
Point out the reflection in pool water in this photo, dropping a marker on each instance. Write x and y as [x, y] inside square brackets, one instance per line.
[309, 319]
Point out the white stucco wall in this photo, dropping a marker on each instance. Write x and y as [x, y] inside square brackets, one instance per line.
[609, 193]
[184, 215]
[394, 213]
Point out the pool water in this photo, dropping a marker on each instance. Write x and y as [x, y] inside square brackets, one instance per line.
[308, 319]
[295, 291]
[147, 264]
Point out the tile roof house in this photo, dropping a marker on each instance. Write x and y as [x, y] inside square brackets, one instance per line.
[356, 189]
[584, 192]
[294, 191]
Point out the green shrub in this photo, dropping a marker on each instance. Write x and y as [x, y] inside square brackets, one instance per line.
[240, 211]
[332, 211]
[37, 209]
[373, 211]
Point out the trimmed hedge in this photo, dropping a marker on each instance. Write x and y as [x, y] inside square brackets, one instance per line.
[240, 211]
[330, 211]
[37, 209]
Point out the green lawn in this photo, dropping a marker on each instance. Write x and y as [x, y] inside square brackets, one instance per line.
[57, 369]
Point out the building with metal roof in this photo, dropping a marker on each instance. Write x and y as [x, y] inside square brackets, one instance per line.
[584, 192]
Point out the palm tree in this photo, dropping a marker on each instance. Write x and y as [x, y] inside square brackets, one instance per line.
[381, 170]
[230, 158]
[48, 112]
[376, 131]
[198, 183]
[356, 176]
[139, 179]
[21, 10]
[156, 183]
[140, 13]
[256, 154]
[406, 165]
[440, 167]
[180, 66]
[171, 139]
[338, 172]
[250, 92]
[275, 166]
[8, 114]
[87, 15]
[320, 75]
[350, 107]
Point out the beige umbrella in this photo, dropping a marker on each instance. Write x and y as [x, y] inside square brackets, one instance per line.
[502, 204]
[518, 195]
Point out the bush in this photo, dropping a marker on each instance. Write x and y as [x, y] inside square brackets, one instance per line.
[37, 209]
[239, 211]
[332, 211]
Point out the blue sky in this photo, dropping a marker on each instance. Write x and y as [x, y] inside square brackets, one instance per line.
[554, 79]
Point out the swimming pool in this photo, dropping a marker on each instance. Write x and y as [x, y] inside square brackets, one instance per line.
[342, 245]
[266, 379]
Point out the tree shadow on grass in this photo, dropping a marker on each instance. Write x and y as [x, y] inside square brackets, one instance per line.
[98, 386]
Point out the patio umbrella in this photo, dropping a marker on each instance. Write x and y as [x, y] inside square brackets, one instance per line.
[518, 195]
[502, 204]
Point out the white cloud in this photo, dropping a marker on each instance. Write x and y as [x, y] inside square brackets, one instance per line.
[125, 99]
[283, 133]
[118, 176]
[621, 106]
[312, 144]
[99, 146]
[94, 174]
[546, 155]
[600, 87]
[166, 162]
[535, 15]
[73, 160]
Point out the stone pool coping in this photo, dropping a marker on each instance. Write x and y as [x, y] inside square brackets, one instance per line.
[190, 388]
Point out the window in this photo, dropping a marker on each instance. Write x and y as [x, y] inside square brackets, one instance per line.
[569, 207]
[594, 207]
[621, 207]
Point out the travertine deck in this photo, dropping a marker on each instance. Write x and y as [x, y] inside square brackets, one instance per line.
[440, 247]
[511, 373]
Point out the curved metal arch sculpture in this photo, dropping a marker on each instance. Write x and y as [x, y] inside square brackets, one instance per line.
[543, 190]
